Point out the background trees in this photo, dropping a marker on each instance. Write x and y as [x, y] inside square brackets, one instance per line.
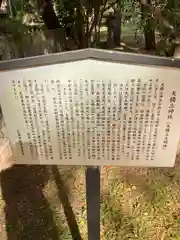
[88, 23]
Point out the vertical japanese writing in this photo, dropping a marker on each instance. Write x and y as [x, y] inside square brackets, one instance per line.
[94, 119]
[171, 109]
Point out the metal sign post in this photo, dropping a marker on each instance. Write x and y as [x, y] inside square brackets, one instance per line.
[93, 202]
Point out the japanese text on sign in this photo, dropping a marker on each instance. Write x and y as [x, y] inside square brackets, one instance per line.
[71, 118]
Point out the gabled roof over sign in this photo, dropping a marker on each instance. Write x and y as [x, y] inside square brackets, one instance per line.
[89, 53]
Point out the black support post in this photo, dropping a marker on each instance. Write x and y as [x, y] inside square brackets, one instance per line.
[93, 202]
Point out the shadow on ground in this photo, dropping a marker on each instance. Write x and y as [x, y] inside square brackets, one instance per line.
[27, 212]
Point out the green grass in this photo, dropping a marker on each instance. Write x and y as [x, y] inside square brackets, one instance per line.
[142, 205]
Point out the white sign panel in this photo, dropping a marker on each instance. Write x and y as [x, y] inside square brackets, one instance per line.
[92, 112]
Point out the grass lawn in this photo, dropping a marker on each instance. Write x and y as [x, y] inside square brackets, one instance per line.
[135, 203]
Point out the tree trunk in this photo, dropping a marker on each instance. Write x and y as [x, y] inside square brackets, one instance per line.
[79, 31]
[171, 4]
[10, 8]
[110, 40]
[149, 31]
[114, 27]
[51, 21]
[48, 14]
[117, 27]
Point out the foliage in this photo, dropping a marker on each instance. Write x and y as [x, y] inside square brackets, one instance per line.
[82, 20]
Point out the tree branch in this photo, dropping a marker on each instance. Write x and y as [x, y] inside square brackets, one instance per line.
[102, 12]
[157, 14]
[95, 18]
[109, 6]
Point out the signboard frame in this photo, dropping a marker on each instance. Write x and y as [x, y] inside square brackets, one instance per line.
[107, 56]
[89, 53]
[92, 174]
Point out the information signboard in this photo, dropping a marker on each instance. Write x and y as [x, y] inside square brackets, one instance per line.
[92, 107]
